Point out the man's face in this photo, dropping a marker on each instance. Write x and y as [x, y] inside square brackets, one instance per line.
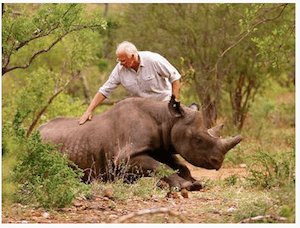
[125, 60]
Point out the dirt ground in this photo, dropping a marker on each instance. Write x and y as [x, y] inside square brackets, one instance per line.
[178, 208]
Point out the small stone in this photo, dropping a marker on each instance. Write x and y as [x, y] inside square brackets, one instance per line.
[243, 166]
[46, 215]
[231, 209]
[162, 184]
[185, 193]
[108, 192]
[173, 195]
[77, 204]
[112, 216]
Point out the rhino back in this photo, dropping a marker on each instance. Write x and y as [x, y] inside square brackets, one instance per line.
[82, 143]
[120, 132]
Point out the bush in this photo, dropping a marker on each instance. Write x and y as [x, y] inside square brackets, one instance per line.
[276, 170]
[231, 180]
[44, 177]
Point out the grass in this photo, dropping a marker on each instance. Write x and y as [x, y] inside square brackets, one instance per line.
[268, 150]
[144, 188]
[232, 204]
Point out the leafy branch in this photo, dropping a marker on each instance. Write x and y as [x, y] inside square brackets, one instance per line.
[246, 33]
[39, 33]
[42, 33]
[50, 100]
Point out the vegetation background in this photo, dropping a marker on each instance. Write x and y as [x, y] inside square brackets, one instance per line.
[236, 60]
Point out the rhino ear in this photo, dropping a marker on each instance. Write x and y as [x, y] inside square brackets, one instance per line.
[174, 107]
[194, 106]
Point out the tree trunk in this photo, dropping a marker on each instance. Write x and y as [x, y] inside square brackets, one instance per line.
[105, 10]
[86, 89]
[209, 111]
[240, 99]
[208, 95]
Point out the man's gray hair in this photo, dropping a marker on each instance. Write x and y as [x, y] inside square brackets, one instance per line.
[127, 48]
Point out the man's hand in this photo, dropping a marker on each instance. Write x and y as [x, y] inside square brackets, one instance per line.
[86, 116]
[98, 98]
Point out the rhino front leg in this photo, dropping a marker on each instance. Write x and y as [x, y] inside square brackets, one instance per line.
[184, 172]
[145, 165]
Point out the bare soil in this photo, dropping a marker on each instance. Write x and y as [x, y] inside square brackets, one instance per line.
[173, 208]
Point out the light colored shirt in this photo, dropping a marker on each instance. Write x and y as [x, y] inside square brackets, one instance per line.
[153, 79]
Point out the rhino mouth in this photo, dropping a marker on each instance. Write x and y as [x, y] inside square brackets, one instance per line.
[211, 164]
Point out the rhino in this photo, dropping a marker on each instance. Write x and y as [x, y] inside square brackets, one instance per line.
[142, 134]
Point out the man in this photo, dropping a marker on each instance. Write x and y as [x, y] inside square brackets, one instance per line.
[142, 73]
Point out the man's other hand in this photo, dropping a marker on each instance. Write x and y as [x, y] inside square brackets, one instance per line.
[86, 116]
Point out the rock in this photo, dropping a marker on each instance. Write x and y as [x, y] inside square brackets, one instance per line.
[173, 195]
[231, 209]
[46, 215]
[243, 166]
[185, 193]
[108, 192]
[162, 184]
[77, 204]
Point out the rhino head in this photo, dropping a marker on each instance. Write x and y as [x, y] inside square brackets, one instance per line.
[198, 145]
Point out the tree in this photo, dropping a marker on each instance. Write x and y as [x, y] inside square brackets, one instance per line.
[207, 37]
[49, 24]
[45, 48]
[267, 53]
[60, 48]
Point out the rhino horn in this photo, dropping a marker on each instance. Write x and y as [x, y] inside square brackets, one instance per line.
[215, 131]
[229, 143]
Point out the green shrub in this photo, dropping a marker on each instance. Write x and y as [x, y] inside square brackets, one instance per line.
[231, 180]
[44, 177]
[274, 170]
[13, 145]
[254, 207]
[285, 199]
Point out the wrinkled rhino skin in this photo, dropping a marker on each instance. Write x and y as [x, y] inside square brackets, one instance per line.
[136, 136]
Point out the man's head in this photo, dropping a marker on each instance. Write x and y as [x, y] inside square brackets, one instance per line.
[127, 54]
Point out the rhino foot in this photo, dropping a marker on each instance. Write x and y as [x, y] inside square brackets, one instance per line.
[180, 183]
[195, 186]
[192, 186]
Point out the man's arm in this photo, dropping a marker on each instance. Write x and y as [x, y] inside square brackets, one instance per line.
[103, 92]
[176, 89]
[98, 98]
[166, 69]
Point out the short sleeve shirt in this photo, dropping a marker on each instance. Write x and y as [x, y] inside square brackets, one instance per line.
[152, 80]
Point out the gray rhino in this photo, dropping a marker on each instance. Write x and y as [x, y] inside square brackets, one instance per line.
[141, 134]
